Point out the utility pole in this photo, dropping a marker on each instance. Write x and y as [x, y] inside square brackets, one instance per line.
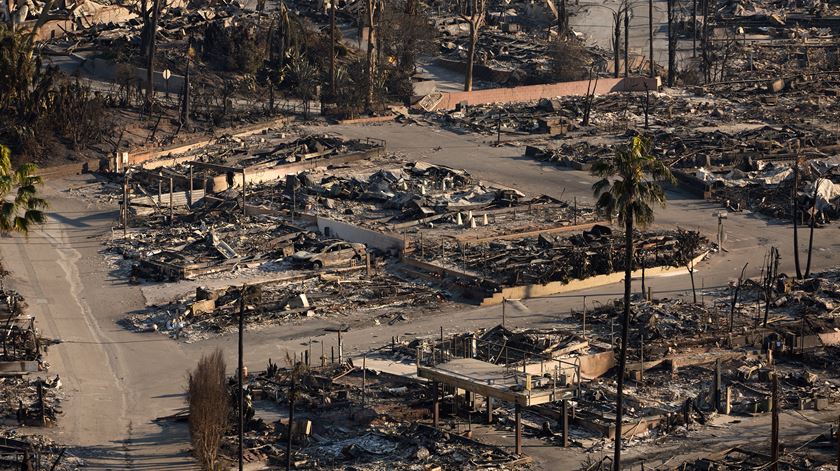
[838, 444]
[774, 433]
[706, 59]
[671, 45]
[332, 49]
[185, 99]
[239, 373]
[291, 421]
[125, 203]
[650, 37]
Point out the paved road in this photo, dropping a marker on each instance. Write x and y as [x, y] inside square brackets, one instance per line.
[118, 382]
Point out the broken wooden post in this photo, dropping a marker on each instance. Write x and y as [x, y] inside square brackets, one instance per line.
[171, 218]
[641, 357]
[160, 189]
[774, 426]
[517, 413]
[565, 423]
[435, 405]
[243, 193]
[489, 410]
[42, 410]
[125, 204]
[717, 386]
[291, 421]
[441, 344]
[340, 349]
[190, 201]
[727, 408]
[584, 316]
[364, 378]
[367, 264]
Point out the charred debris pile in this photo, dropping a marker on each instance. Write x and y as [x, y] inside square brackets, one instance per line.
[345, 414]
[380, 298]
[547, 258]
[29, 395]
[381, 193]
[690, 364]
[30, 401]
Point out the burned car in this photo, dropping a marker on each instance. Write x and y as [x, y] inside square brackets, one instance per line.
[332, 253]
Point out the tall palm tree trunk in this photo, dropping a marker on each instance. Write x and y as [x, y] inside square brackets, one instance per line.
[625, 329]
[795, 221]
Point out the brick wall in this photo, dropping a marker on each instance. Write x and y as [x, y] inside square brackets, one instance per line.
[535, 92]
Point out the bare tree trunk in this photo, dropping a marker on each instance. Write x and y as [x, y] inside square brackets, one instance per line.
[693, 28]
[616, 42]
[811, 235]
[7, 14]
[150, 64]
[371, 66]
[735, 298]
[185, 100]
[562, 21]
[626, 39]
[468, 81]
[625, 329]
[693, 287]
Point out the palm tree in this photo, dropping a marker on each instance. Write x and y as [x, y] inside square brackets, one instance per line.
[629, 185]
[21, 212]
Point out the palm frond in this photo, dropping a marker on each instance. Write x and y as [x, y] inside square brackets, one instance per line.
[630, 182]
[23, 211]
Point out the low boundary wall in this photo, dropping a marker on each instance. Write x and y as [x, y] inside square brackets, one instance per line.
[535, 92]
[353, 233]
[557, 287]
